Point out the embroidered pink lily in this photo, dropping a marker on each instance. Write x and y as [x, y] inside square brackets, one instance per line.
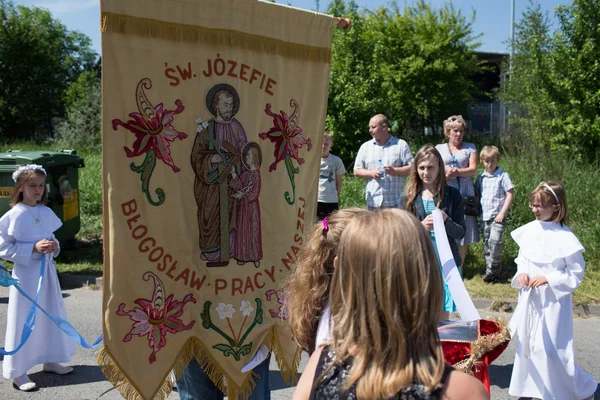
[286, 134]
[152, 127]
[155, 319]
[288, 139]
[154, 132]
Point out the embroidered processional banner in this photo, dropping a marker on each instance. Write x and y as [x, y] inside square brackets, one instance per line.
[213, 116]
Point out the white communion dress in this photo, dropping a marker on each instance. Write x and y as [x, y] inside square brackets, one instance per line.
[20, 229]
[545, 365]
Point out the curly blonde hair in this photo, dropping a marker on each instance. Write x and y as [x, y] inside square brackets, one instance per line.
[308, 285]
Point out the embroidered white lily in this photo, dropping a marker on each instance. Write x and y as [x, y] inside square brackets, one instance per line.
[201, 125]
[246, 308]
[225, 310]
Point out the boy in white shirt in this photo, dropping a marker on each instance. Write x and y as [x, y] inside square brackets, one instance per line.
[330, 179]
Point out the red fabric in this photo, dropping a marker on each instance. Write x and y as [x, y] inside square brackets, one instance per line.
[487, 328]
[455, 351]
[481, 372]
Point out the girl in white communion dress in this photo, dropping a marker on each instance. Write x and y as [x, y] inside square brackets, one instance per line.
[27, 239]
[550, 266]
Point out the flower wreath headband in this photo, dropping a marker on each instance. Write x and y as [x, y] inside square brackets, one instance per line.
[28, 167]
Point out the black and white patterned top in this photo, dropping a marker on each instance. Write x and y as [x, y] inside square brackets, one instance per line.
[329, 387]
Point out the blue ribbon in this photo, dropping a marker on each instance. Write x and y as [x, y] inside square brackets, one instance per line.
[61, 323]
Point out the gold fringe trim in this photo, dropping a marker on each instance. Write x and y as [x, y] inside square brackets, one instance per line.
[156, 29]
[193, 347]
[483, 345]
[289, 373]
[123, 384]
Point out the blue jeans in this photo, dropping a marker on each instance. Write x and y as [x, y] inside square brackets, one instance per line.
[194, 384]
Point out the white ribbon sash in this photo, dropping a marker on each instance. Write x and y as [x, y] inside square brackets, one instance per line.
[459, 293]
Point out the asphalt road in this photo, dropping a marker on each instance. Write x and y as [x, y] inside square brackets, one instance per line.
[87, 381]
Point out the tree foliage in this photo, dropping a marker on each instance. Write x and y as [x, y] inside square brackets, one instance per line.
[39, 58]
[81, 129]
[554, 87]
[415, 66]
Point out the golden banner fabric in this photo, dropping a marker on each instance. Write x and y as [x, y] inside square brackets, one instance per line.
[213, 114]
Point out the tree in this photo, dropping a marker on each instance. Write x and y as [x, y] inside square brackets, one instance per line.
[415, 66]
[554, 91]
[82, 100]
[39, 58]
[577, 55]
[531, 86]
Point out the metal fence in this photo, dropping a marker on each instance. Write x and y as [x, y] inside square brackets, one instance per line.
[487, 119]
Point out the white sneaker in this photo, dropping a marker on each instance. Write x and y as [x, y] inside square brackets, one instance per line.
[24, 384]
[56, 368]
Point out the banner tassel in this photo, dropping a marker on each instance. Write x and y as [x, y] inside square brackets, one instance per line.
[196, 349]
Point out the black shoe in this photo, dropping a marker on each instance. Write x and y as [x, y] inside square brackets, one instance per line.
[487, 278]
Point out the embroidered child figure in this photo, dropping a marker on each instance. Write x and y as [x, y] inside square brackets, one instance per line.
[27, 236]
[248, 237]
[550, 266]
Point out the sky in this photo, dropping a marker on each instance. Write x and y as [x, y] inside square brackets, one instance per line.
[492, 16]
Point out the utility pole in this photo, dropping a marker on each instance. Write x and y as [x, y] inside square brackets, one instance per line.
[512, 34]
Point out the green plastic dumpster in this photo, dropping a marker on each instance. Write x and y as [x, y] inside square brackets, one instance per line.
[62, 181]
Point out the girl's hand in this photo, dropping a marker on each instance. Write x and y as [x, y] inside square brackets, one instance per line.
[52, 246]
[523, 280]
[538, 281]
[444, 215]
[45, 246]
[428, 223]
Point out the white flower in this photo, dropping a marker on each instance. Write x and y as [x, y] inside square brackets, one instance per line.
[201, 125]
[27, 167]
[246, 308]
[225, 310]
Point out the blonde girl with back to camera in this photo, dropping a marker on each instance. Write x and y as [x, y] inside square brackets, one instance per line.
[386, 297]
[308, 285]
[27, 237]
[550, 266]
